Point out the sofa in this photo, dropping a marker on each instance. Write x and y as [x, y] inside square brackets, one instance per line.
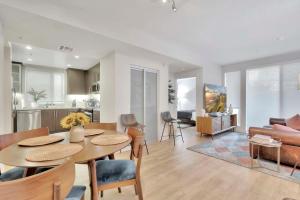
[284, 130]
[290, 149]
[186, 117]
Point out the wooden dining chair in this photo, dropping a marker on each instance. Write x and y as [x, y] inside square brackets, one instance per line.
[54, 184]
[118, 173]
[11, 138]
[104, 126]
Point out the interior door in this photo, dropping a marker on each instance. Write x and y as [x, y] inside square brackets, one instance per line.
[144, 100]
[150, 106]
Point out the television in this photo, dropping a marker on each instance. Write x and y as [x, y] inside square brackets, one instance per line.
[214, 98]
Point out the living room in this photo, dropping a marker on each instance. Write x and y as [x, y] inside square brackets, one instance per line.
[194, 99]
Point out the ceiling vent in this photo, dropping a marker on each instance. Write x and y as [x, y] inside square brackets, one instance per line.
[65, 48]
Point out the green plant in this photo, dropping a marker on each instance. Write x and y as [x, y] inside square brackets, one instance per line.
[171, 92]
[37, 95]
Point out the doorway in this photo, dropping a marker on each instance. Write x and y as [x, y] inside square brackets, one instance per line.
[186, 101]
[143, 100]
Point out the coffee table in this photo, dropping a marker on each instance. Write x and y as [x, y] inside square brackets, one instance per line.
[273, 144]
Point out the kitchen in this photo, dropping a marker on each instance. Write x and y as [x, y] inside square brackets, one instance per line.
[48, 85]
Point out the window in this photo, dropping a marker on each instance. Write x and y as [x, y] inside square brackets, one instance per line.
[262, 95]
[233, 86]
[186, 94]
[48, 79]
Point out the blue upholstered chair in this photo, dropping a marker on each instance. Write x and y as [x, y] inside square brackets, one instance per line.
[11, 138]
[55, 183]
[118, 173]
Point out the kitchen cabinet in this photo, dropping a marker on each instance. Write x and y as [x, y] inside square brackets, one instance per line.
[80, 81]
[17, 77]
[47, 119]
[92, 76]
[59, 114]
[76, 81]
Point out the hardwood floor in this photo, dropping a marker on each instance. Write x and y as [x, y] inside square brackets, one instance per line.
[176, 173]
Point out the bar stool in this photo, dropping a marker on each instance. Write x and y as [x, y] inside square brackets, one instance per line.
[167, 118]
[129, 121]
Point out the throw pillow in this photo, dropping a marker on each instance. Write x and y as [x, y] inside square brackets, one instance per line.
[278, 127]
[294, 122]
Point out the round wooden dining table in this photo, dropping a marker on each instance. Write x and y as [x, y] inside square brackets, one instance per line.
[15, 155]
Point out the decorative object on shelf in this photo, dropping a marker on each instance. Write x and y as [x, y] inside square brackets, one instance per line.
[75, 122]
[37, 95]
[171, 92]
[230, 109]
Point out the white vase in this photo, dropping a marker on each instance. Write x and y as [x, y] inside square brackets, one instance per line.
[230, 109]
[76, 134]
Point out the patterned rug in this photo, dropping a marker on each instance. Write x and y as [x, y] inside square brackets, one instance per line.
[234, 148]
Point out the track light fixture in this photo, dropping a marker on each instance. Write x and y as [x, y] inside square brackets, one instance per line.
[173, 4]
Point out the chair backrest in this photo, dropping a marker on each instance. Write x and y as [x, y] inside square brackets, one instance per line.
[11, 138]
[137, 141]
[53, 184]
[166, 116]
[105, 126]
[128, 120]
[136, 147]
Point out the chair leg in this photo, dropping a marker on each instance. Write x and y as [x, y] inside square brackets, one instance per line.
[139, 189]
[180, 132]
[111, 157]
[173, 133]
[119, 190]
[162, 134]
[135, 189]
[295, 166]
[101, 193]
[146, 147]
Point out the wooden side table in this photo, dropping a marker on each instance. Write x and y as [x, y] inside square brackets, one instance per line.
[274, 144]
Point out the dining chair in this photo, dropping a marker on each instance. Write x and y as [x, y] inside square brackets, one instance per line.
[168, 120]
[129, 120]
[118, 173]
[105, 126]
[11, 138]
[54, 184]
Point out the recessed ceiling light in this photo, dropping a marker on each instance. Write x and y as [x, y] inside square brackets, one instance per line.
[164, 1]
[29, 59]
[77, 57]
[69, 65]
[28, 47]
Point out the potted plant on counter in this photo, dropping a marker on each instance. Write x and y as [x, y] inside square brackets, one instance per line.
[75, 122]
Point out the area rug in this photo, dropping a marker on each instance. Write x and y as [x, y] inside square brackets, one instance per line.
[234, 148]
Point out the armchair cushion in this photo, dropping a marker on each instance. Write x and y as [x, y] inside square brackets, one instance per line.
[109, 171]
[12, 174]
[76, 193]
[278, 127]
[294, 122]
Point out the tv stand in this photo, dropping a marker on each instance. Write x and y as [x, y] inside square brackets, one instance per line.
[214, 125]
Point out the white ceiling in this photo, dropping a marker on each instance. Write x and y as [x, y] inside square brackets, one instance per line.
[50, 58]
[201, 32]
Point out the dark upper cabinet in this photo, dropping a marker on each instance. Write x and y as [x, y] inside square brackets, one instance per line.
[92, 76]
[76, 81]
[80, 81]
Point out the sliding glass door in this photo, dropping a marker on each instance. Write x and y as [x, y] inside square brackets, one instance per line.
[262, 95]
[144, 100]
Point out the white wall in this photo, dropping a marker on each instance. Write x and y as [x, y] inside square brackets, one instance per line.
[115, 86]
[5, 85]
[107, 88]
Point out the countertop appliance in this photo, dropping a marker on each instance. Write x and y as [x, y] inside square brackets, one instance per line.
[95, 88]
[28, 120]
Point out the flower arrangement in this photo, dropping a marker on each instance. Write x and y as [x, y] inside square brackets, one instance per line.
[37, 95]
[74, 119]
